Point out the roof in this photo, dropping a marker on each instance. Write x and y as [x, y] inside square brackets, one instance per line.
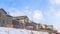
[21, 17]
[3, 10]
[8, 15]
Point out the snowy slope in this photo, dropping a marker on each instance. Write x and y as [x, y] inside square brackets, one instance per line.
[4, 30]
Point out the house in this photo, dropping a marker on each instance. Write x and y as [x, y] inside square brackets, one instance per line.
[38, 26]
[41, 27]
[49, 28]
[31, 25]
[54, 30]
[5, 19]
[15, 23]
[22, 21]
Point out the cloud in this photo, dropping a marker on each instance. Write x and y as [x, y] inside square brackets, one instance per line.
[56, 20]
[53, 17]
[15, 12]
[34, 15]
[54, 1]
[37, 16]
[57, 14]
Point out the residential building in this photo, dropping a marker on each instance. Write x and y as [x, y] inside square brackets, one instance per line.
[22, 20]
[5, 18]
[25, 23]
[49, 27]
[38, 26]
[31, 25]
[41, 27]
[15, 23]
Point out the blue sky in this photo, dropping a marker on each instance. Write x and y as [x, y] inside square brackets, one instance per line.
[39, 11]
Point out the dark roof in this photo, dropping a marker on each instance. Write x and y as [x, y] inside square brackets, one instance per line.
[3, 10]
[20, 17]
[8, 16]
[23, 16]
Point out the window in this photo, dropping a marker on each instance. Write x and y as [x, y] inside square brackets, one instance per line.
[0, 20]
[26, 20]
[3, 21]
[22, 20]
[0, 14]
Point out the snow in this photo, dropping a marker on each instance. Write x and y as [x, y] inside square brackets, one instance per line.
[4, 30]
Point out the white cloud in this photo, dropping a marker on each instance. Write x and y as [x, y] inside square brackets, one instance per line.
[34, 15]
[37, 16]
[50, 12]
[53, 17]
[54, 1]
[15, 12]
[57, 14]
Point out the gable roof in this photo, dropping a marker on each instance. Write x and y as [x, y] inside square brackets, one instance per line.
[3, 10]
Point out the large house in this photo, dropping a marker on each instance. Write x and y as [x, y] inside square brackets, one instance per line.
[5, 19]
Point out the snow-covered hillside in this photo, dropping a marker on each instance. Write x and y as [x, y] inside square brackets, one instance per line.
[4, 30]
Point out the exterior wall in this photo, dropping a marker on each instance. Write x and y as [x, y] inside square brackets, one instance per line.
[30, 25]
[40, 27]
[22, 21]
[15, 24]
[9, 25]
[2, 13]
[49, 27]
[4, 19]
